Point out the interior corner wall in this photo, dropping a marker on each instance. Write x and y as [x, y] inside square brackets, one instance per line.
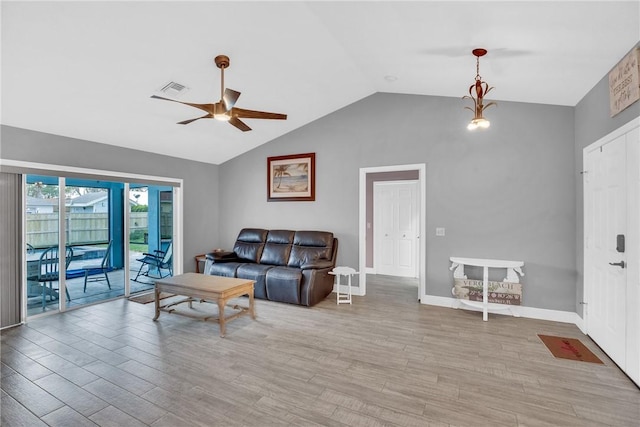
[504, 193]
[592, 122]
[200, 180]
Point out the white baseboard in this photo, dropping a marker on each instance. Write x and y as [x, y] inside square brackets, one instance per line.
[370, 270]
[11, 326]
[439, 301]
[522, 311]
[528, 312]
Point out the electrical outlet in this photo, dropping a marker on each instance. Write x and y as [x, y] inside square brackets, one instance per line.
[439, 231]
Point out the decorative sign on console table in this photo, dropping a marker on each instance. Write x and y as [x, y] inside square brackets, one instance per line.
[484, 294]
[499, 292]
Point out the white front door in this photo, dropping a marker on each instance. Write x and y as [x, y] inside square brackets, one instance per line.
[605, 274]
[396, 227]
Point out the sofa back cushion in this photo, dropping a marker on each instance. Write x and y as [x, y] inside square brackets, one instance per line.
[277, 247]
[310, 246]
[250, 244]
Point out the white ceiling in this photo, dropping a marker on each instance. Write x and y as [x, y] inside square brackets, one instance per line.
[87, 69]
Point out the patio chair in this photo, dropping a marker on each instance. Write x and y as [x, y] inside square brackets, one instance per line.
[100, 270]
[159, 260]
[49, 272]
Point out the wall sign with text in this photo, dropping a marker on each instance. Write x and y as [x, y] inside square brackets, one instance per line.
[624, 83]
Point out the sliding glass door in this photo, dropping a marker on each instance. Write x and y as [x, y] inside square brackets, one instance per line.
[96, 218]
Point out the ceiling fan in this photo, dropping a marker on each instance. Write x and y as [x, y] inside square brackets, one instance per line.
[224, 109]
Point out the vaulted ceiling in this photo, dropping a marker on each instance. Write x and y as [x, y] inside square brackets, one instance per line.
[87, 69]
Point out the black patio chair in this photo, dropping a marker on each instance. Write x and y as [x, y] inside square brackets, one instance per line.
[49, 272]
[159, 260]
[100, 270]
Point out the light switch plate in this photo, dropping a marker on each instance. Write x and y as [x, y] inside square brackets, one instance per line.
[439, 231]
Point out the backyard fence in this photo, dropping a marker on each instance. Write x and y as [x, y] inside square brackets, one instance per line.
[81, 228]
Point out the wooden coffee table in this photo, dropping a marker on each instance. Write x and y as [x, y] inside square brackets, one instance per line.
[205, 288]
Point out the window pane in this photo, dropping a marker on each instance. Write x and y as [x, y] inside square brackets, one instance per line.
[92, 215]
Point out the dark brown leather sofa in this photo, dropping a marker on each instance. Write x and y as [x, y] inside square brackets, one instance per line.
[287, 266]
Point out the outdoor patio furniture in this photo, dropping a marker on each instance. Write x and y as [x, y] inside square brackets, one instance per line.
[49, 272]
[159, 260]
[100, 270]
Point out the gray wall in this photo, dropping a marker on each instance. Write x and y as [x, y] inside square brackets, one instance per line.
[200, 189]
[505, 193]
[592, 122]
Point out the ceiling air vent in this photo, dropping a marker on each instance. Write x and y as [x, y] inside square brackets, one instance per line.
[173, 89]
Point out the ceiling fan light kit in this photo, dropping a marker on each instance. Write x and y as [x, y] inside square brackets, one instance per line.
[225, 110]
[222, 117]
[480, 89]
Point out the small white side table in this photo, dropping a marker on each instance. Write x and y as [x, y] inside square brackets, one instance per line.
[342, 298]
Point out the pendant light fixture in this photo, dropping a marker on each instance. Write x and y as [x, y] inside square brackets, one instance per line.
[480, 88]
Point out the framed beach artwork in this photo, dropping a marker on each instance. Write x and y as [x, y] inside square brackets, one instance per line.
[291, 178]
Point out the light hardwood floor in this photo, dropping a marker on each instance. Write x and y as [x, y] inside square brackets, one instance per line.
[385, 360]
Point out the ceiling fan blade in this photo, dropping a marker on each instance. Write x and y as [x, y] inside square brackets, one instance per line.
[239, 124]
[186, 122]
[230, 97]
[204, 107]
[251, 114]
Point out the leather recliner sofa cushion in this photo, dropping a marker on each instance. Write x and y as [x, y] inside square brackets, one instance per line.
[309, 247]
[257, 272]
[277, 247]
[250, 244]
[283, 284]
[227, 269]
[247, 249]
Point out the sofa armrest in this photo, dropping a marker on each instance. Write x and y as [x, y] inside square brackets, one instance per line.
[222, 256]
[317, 265]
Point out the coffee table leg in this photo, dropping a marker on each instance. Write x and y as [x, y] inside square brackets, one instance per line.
[252, 310]
[223, 329]
[157, 302]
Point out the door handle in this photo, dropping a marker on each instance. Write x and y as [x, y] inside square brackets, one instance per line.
[620, 264]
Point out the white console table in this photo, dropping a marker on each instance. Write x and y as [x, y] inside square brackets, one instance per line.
[513, 269]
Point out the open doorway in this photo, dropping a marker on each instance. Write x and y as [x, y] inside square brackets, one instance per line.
[367, 223]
